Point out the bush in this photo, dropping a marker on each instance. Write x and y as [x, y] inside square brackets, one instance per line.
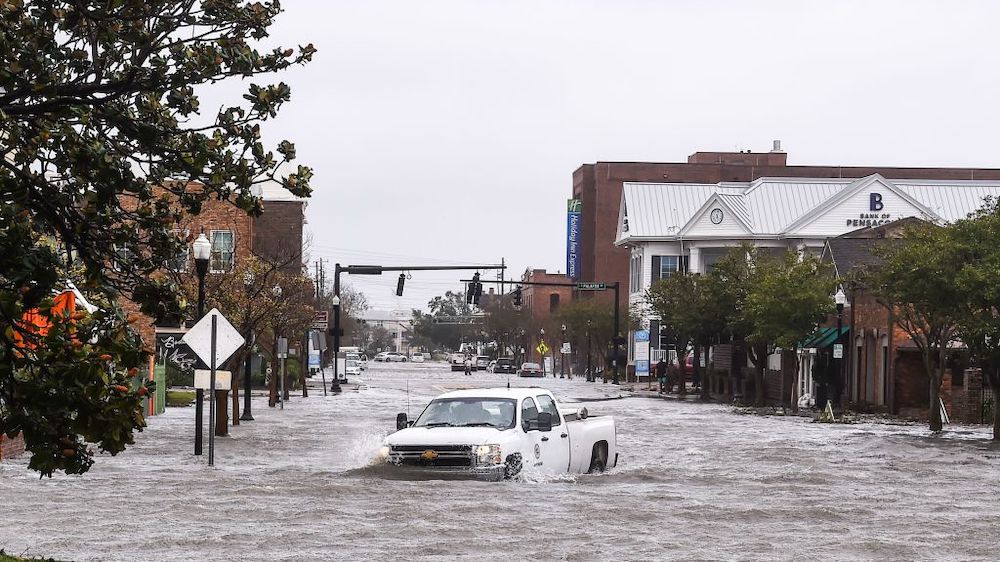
[180, 397]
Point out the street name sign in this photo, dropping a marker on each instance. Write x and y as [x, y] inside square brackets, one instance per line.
[321, 321]
[227, 338]
[591, 286]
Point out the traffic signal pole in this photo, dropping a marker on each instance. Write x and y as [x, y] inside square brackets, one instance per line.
[616, 337]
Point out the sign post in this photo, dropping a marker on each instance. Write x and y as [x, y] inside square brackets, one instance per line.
[282, 355]
[214, 340]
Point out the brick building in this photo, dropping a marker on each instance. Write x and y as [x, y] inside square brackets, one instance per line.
[544, 303]
[599, 187]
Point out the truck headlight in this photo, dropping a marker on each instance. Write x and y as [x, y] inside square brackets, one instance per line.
[488, 455]
[383, 454]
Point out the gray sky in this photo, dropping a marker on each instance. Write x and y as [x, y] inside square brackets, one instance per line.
[448, 132]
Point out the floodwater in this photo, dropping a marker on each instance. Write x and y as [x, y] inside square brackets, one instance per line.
[694, 481]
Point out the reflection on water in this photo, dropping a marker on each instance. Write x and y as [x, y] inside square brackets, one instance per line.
[694, 481]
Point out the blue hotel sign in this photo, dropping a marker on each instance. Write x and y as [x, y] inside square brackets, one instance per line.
[574, 207]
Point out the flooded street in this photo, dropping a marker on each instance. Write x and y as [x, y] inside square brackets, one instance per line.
[694, 481]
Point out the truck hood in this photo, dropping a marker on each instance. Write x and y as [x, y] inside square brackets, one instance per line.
[447, 436]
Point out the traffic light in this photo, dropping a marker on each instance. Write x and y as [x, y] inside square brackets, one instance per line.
[476, 288]
[469, 290]
[517, 296]
[399, 284]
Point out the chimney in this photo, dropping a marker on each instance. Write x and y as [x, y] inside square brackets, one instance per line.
[777, 146]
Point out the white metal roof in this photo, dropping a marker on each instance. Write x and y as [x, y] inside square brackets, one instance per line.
[779, 206]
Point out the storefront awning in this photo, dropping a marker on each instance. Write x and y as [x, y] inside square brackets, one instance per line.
[823, 338]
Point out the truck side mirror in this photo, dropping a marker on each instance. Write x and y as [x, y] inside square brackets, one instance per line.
[544, 421]
[401, 422]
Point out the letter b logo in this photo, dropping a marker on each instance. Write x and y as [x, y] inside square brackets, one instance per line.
[875, 202]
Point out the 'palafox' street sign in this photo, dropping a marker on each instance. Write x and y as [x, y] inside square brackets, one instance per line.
[227, 338]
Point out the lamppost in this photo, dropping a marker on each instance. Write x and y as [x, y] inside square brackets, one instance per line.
[335, 385]
[248, 279]
[838, 348]
[202, 254]
[524, 345]
[590, 374]
[562, 355]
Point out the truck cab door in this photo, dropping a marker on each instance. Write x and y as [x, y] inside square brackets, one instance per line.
[554, 444]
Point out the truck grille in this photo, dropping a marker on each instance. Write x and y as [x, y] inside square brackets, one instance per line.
[432, 455]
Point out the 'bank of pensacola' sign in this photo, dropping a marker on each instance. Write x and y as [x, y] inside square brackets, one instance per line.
[574, 207]
[870, 219]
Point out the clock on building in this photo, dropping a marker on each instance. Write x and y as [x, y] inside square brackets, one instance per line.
[716, 216]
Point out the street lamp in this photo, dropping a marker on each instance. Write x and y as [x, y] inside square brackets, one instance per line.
[248, 279]
[562, 355]
[335, 385]
[202, 254]
[838, 348]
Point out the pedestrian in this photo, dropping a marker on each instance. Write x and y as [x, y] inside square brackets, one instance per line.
[468, 365]
[661, 373]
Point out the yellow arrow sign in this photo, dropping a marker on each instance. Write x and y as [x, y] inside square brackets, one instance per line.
[542, 348]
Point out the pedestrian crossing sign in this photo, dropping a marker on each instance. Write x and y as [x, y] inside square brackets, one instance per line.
[542, 348]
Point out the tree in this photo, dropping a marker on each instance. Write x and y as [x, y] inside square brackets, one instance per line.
[918, 283]
[445, 325]
[790, 296]
[504, 322]
[773, 301]
[98, 112]
[589, 323]
[688, 309]
[975, 246]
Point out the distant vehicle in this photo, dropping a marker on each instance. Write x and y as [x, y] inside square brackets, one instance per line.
[530, 370]
[417, 358]
[457, 361]
[381, 356]
[491, 366]
[482, 362]
[394, 357]
[505, 365]
[353, 367]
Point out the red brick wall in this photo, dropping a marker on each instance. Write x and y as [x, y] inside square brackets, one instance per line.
[537, 300]
[277, 234]
[10, 448]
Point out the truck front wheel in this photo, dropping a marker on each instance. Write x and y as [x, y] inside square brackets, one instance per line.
[512, 467]
[599, 457]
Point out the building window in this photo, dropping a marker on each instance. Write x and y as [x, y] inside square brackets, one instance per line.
[222, 250]
[553, 302]
[180, 262]
[665, 266]
[123, 257]
[635, 274]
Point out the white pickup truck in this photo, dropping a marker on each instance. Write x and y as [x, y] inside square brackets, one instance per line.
[497, 433]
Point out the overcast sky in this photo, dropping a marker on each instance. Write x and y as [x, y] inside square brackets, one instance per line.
[448, 132]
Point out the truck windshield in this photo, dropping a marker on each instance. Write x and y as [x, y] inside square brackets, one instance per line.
[469, 412]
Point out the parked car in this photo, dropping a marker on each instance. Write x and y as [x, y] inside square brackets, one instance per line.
[505, 365]
[395, 357]
[381, 356]
[482, 362]
[352, 367]
[497, 433]
[417, 358]
[530, 370]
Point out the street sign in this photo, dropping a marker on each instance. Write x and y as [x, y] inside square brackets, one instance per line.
[227, 338]
[542, 348]
[321, 321]
[838, 351]
[566, 348]
[203, 379]
[591, 286]
[641, 352]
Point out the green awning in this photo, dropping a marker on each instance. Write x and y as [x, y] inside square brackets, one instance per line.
[824, 337]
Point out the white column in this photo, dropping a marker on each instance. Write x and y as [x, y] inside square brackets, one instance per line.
[694, 260]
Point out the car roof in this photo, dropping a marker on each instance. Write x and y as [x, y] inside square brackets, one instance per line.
[499, 392]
